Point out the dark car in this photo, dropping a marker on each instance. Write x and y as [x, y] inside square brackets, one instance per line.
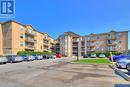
[14, 58]
[44, 56]
[85, 56]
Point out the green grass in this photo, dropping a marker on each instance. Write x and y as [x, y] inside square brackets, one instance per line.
[93, 61]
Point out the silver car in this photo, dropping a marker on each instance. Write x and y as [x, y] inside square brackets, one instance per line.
[14, 58]
[102, 56]
[3, 60]
[123, 63]
[28, 57]
[93, 56]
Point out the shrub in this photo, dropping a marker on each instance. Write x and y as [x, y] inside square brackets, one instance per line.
[34, 53]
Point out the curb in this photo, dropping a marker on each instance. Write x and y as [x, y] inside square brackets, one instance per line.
[119, 72]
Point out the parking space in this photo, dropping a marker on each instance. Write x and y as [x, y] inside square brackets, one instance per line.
[58, 73]
[124, 73]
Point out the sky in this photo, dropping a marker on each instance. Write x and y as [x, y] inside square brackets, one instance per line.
[80, 16]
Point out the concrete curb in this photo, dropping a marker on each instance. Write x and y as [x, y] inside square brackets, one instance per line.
[119, 72]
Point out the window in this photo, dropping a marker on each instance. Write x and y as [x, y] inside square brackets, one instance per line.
[21, 44]
[119, 35]
[119, 41]
[21, 36]
[110, 41]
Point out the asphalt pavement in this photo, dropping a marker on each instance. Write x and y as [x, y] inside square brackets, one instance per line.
[58, 73]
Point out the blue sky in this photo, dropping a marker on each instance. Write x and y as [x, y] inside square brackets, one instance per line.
[80, 16]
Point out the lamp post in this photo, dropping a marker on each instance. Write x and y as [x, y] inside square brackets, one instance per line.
[78, 50]
[111, 58]
[77, 54]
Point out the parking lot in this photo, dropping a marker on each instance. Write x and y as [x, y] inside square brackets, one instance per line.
[58, 73]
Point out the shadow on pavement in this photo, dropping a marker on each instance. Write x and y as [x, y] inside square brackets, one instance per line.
[122, 85]
[128, 73]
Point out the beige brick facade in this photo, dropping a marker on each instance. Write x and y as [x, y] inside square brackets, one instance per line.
[16, 37]
[72, 44]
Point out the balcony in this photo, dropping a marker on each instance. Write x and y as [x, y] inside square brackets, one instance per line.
[91, 50]
[46, 45]
[91, 45]
[31, 47]
[111, 37]
[111, 43]
[31, 40]
[113, 49]
[74, 45]
[75, 51]
[46, 42]
[75, 40]
[30, 32]
[82, 50]
[91, 40]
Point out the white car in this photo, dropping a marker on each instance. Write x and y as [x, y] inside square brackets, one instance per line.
[3, 60]
[39, 57]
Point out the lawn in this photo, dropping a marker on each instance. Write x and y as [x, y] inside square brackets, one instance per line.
[93, 61]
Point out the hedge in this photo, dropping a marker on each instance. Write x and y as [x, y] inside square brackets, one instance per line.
[34, 53]
[107, 54]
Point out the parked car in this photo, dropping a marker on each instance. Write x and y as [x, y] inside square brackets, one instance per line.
[38, 57]
[14, 58]
[85, 56]
[93, 56]
[58, 55]
[116, 58]
[3, 60]
[123, 63]
[28, 57]
[102, 56]
[128, 67]
[44, 56]
[52, 56]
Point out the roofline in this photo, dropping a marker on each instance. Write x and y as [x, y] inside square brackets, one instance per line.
[108, 32]
[24, 25]
[14, 21]
[47, 34]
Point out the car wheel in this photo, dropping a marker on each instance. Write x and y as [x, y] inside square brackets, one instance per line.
[128, 67]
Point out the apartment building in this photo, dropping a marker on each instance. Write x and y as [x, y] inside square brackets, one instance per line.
[16, 37]
[72, 44]
[48, 42]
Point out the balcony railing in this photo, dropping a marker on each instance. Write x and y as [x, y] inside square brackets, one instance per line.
[111, 44]
[75, 40]
[46, 42]
[30, 32]
[111, 37]
[91, 45]
[30, 40]
[113, 49]
[30, 47]
[75, 45]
